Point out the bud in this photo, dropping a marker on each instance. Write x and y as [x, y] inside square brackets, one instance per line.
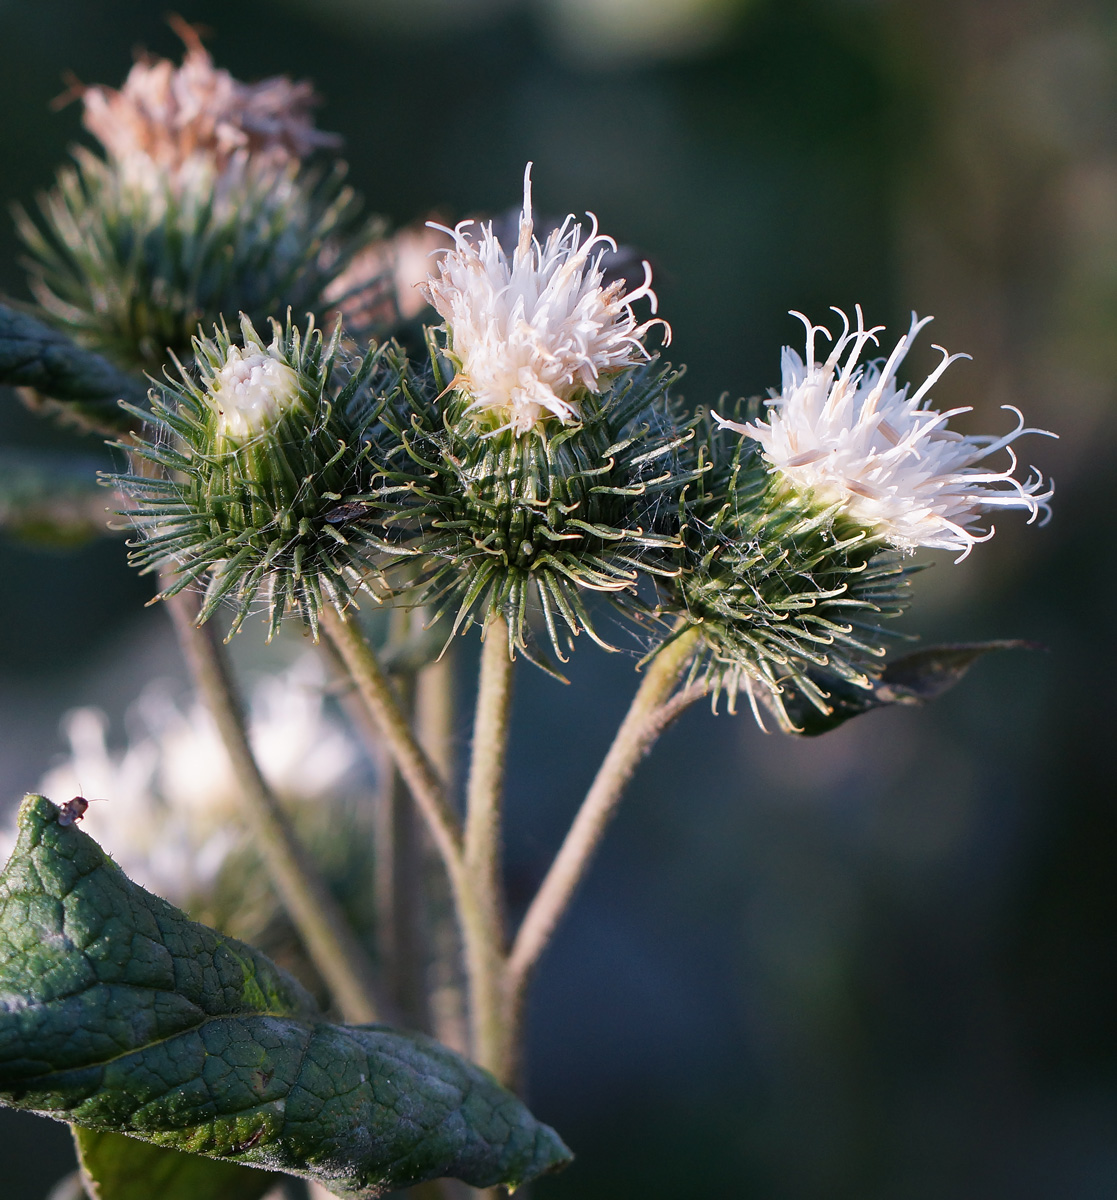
[250, 392]
[258, 449]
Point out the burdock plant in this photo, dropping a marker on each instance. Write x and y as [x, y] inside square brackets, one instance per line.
[531, 475]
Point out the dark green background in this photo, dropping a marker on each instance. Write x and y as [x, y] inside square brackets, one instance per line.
[879, 966]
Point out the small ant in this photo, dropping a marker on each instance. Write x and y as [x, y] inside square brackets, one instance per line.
[73, 810]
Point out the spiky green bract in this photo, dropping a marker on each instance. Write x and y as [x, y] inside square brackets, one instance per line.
[254, 517]
[788, 593]
[131, 273]
[499, 524]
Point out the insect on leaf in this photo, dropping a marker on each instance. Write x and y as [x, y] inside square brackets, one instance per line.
[120, 1014]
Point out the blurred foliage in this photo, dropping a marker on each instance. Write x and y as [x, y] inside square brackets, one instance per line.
[52, 500]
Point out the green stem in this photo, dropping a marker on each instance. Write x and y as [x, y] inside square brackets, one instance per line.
[434, 727]
[434, 715]
[482, 914]
[635, 737]
[334, 949]
[403, 894]
[383, 706]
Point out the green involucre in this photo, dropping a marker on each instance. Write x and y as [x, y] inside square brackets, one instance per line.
[391, 479]
[118, 1013]
[788, 593]
[257, 519]
[130, 273]
[495, 524]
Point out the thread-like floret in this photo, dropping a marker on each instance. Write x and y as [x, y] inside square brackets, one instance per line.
[846, 433]
[532, 332]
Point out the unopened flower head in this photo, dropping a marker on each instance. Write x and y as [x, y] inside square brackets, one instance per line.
[251, 391]
[258, 444]
[531, 333]
[845, 432]
[170, 126]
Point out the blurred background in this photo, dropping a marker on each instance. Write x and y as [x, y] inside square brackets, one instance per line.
[877, 966]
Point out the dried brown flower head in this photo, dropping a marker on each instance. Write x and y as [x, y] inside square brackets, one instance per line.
[168, 125]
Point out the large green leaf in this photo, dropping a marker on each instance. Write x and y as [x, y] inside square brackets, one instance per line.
[119, 1013]
[117, 1167]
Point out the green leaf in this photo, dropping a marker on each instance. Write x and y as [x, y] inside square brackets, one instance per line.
[911, 679]
[118, 1013]
[35, 356]
[117, 1167]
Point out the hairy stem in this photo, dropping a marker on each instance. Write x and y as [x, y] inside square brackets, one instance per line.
[402, 908]
[434, 715]
[482, 913]
[434, 727]
[336, 953]
[414, 765]
[635, 737]
[403, 892]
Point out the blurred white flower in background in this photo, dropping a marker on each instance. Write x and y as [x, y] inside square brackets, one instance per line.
[846, 433]
[530, 333]
[167, 807]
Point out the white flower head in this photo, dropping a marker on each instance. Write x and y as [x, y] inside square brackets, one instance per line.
[531, 332]
[168, 808]
[847, 433]
[251, 391]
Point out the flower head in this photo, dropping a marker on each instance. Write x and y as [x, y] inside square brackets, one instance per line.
[202, 207]
[168, 807]
[168, 125]
[846, 433]
[258, 445]
[530, 334]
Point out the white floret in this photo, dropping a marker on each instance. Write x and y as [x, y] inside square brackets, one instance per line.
[846, 433]
[530, 334]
